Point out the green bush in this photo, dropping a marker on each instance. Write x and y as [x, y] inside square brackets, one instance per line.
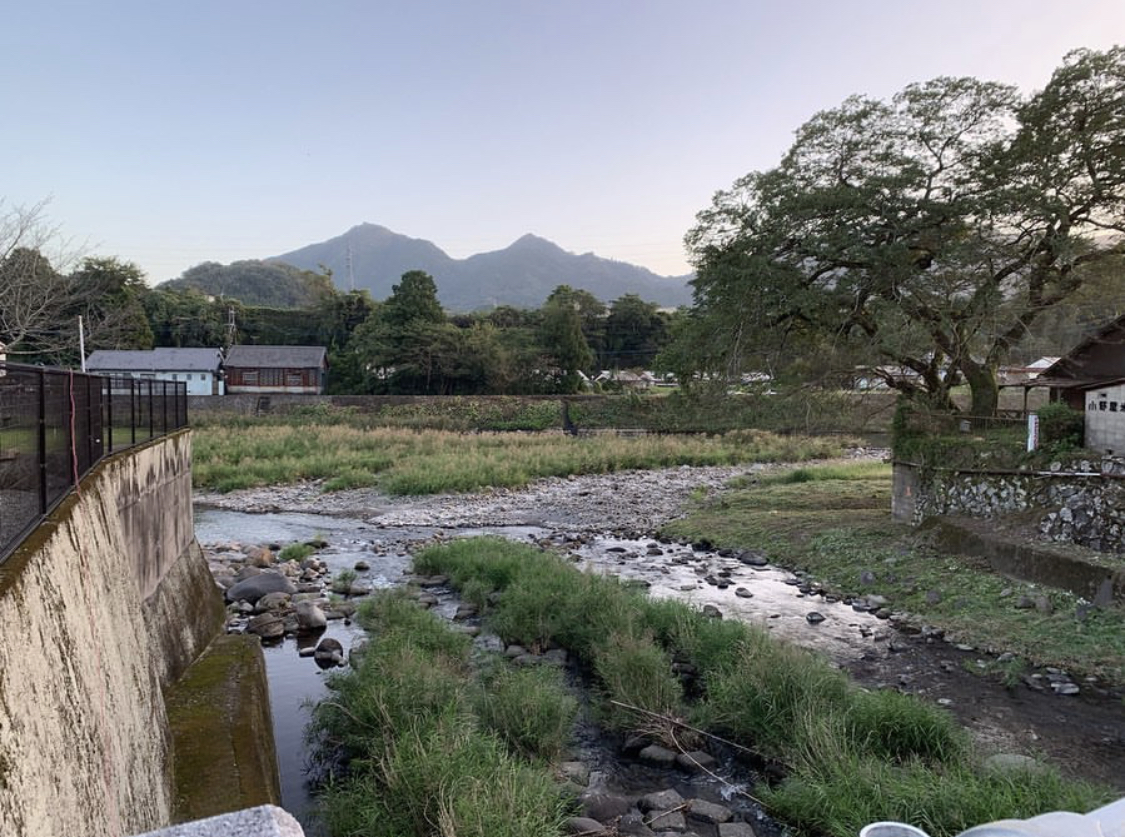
[1061, 428]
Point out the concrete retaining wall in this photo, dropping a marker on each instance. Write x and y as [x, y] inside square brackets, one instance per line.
[101, 607]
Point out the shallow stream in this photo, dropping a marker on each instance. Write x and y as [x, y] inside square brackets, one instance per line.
[766, 596]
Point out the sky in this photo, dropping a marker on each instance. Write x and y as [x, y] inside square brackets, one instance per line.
[168, 134]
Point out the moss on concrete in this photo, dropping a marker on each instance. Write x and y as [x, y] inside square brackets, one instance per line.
[224, 757]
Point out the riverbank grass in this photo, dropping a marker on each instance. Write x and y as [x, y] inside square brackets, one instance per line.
[408, 462]
[421, 760]
[833, 522]
[869, 753]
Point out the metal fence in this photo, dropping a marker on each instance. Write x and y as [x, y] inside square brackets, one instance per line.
[55, 425]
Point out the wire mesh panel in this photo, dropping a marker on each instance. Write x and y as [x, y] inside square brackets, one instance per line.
[55, 425]
[21, 479]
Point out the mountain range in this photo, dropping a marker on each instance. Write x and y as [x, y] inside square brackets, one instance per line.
[521, 275]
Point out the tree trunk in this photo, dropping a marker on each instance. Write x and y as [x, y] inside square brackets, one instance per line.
[984, 389]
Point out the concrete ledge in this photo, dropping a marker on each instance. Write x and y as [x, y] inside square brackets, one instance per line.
[264, 821]
[223, 753]
[1053, 565]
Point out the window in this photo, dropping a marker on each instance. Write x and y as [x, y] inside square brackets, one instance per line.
[250, 377]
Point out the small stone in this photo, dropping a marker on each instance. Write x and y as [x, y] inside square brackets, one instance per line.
[1013, 762]
[696, 761]
[671, 821]
[634, 824]
[814, 617]
[604, 807]
[710, 812]
[655, 754]
[933, 597]
[584, 825]
[576, 771]
[736, 829]
[267, 626]
[362, 566]
[1065, 688]
[867, 577]
[712, 612]
[664, 800]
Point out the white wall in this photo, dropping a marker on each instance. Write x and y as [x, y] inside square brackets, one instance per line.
[1105, 419]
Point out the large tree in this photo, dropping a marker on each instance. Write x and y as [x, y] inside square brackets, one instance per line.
[928, 232]
[40, 302]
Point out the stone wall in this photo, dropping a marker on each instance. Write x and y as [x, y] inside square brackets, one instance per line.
[102, 606]
[1081, 502]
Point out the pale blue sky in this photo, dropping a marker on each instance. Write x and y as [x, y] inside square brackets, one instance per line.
[168, 133]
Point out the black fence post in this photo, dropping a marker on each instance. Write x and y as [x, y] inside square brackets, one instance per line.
[107, 389]
[42, 441]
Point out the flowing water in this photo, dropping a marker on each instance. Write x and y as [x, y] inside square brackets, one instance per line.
[762, 595]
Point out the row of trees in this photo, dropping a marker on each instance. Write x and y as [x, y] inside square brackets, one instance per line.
[404, 344]
[926, 235]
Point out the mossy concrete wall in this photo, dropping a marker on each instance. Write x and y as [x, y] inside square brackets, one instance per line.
[103, 606]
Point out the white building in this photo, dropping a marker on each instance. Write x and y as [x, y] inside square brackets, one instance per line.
[198, 368]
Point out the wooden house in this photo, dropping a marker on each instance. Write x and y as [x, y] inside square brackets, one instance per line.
[299, 370]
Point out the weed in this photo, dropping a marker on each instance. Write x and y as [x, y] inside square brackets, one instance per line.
[295, 552]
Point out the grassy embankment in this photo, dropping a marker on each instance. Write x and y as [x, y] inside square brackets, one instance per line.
[834, 523]
[398, 461]
[851, 756]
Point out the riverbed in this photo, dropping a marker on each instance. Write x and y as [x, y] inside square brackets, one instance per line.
[606, 523]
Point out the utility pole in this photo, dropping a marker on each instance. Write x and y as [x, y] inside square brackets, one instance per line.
[81, 343]
[231, 329]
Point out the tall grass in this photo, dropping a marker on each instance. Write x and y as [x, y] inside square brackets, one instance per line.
[432, 461]
[421, 761]
[853, 757]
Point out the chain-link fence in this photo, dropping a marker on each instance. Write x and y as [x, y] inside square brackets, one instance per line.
[55, 425]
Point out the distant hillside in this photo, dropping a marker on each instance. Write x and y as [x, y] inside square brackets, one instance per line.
[253, 282]
[521, 275]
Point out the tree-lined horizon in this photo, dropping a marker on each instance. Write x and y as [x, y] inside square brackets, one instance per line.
[925, 235]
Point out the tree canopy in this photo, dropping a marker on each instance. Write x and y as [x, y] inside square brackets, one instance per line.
[927, 233]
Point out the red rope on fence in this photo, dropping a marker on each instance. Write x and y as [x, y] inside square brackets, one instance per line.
[73, 441]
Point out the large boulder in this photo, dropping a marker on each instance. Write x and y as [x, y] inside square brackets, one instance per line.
[253, 588]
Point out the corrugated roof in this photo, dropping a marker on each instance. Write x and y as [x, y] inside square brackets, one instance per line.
[278, 357]
[155, 360]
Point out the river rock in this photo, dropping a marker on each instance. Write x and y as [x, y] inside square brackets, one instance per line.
[267, 626]
[710, 812]
[272, 601]
[664, 800]
[604, 807]
[330, 650]
[259, 556]
[247, 572]
[814, 617]
[584, 825]
[633, 823]
[736, 829]
[660, 756]
[1013, 763]
[576, 771]
[670, 821]
[253, 588]
[310, 617]
[712, 612]
[696, 761]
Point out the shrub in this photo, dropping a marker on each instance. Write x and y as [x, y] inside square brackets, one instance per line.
[1061, 428]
